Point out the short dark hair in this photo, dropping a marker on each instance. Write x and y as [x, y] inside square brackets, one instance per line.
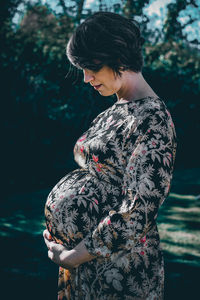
[106, 38]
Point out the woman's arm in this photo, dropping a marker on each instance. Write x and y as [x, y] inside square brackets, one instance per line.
[67, 259]
[146, 183]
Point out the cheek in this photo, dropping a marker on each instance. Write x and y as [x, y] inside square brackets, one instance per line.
[114, 86]
[109, 90]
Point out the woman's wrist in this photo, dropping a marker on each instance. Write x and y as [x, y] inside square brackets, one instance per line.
[68, 259]
[75, 257]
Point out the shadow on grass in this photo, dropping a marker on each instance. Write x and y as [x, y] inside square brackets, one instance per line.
[26, 271]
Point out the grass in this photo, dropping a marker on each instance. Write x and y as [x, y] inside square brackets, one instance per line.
[27, 273]
[179, 228]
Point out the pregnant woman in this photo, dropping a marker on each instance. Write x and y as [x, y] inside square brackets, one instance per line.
[101, 217]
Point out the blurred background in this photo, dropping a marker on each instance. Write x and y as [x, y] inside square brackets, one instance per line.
[43, 113]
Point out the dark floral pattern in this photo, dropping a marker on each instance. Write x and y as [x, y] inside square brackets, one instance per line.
[111, 202]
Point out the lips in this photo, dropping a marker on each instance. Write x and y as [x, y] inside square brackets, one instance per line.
[97, 86]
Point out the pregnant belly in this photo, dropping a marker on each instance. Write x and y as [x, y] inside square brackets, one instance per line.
[76, 205]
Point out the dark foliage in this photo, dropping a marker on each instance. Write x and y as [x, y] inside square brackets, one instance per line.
[43, 112]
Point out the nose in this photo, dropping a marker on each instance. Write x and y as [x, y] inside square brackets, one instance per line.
[87, 77]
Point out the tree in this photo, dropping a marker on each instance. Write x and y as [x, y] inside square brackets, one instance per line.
[133, 8]
[173, 29]
[7, 11]
[75, 10]
[41, 107]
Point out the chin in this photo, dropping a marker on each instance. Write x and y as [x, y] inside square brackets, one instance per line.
[106, 94]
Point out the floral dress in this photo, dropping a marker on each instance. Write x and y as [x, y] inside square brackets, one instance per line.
[111, 202]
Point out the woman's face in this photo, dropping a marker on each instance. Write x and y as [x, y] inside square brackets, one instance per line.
[104, 81]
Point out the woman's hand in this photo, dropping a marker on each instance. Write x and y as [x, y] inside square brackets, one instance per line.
[57, 252]
[67, 259]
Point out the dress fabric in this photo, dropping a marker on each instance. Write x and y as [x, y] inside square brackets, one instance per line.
[111, 201]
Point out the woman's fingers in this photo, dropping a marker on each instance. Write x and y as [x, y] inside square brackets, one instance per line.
[47, 243]
[48, 239]
[47, 235]
[55, 250]
[50, 255]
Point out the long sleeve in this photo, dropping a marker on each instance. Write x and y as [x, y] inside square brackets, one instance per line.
[146, 182]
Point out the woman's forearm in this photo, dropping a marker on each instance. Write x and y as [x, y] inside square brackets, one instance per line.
[76, 256]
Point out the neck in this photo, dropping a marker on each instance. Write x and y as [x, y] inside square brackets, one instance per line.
[134, 86]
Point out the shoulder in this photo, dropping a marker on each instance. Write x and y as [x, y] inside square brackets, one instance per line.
[150, 112]
[147, 107]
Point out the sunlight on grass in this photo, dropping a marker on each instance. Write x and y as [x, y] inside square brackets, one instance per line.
[179, 228]
[25, 215]
[191, 197]
[11, 225]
